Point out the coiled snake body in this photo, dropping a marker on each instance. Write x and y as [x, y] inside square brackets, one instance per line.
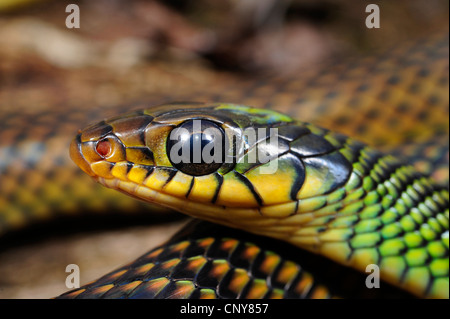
[330, 196]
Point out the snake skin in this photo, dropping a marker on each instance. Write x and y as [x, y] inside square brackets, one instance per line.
[402, 101]
[203, 262]
[329, 194]
[406, 94]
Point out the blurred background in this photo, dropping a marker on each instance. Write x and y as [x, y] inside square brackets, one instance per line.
[129, 52]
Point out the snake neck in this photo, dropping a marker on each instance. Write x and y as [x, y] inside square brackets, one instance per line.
[387, 214]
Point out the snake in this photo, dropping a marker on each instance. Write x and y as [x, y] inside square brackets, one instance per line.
[309, 229]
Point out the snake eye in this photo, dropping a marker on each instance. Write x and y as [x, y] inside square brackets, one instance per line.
[196, 147]
[104, 148]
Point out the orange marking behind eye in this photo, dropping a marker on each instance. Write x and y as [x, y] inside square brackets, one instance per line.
[104, 148]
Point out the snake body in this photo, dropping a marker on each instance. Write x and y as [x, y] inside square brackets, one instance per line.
[207, 261]
[328, 193]
[331, 195]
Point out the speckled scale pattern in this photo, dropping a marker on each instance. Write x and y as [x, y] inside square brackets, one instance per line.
[219, 266]
[206, 268]
[387, 214]
[398, 221]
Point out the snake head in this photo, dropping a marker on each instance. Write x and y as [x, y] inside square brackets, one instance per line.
[231, 164]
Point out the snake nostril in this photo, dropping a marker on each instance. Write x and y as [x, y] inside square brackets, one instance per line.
[104, 148]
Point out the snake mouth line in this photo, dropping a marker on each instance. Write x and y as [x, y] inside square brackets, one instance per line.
[261, 221]
[195, 209]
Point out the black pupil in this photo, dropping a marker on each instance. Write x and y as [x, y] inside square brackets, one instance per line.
[196, 147]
